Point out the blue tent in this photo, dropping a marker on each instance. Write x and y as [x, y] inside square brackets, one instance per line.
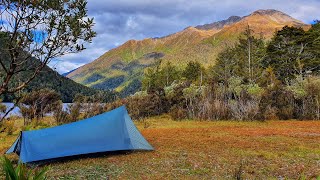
[110, 131]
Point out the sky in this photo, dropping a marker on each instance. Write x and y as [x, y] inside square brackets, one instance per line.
[117, 21]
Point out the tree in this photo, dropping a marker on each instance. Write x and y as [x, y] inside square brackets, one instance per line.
[33, 32]
[152, 78]
[311, 61]
[170, 73]
[250, 52]
[193, 71]
[225, 65]
[294, 52]
[37, 103]
[59, 114]
[243, 60]
[307, 95]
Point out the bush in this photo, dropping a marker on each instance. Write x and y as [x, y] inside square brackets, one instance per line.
[244, 110]
[178, 113]
[307, 97]
[74, 111]
[7, 126]
[38, 103]
[21, 172]
[3, 108]
[144, 106]
[270, 113]
[61, 116]
[35, 125]
[215, 109]
[92, 109]
[280, 101]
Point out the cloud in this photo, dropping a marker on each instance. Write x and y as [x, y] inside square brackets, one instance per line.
[117, 21]
[64, 66]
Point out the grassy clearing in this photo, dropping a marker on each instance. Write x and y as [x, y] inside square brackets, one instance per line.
[203, 150]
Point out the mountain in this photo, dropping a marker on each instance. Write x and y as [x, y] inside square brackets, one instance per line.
[122, 68]
[47, 78]
[66, 87]
[220, 24]
[67, 73]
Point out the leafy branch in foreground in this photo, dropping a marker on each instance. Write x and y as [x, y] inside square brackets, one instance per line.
[33, 32]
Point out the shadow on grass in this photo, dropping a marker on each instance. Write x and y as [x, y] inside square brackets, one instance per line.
[61, 160]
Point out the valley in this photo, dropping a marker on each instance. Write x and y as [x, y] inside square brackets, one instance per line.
[121, 69]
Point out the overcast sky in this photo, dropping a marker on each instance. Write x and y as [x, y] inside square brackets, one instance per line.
[118, 21]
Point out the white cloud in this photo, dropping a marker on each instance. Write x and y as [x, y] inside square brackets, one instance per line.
[131, 23]
[64, 66]
[120, 20]
[307, 13]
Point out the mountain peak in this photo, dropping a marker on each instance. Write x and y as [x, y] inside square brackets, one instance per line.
[189, 28]
[122, 68]
[274, 16]
[267, 12]
[233, 18]
[219, 24]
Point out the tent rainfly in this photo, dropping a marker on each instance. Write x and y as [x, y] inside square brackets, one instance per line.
[110, 131]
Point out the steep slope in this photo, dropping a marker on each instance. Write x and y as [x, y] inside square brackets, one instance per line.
[66, 74]
[66, 87]
[121, 68]
[47, 78]
[220, 24]
[262, 22]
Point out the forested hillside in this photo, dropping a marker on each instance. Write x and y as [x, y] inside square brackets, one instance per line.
[48, 78]
[251, 80]
[121, 69]
[66, 87]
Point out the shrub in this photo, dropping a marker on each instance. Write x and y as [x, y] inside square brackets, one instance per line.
[38, 103]
[270, 113]
[61, 116]
[280, 100]
[178, 113]
[307, 97]
[74, 111]
[34, 125]
[92, 109]
[215, 109]
[193, 95]
[3, 108]
[21, 172]
[7, 126]
[254, 90]
[244, 110]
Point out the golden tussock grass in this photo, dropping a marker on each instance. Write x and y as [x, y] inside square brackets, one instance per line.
[206, 150]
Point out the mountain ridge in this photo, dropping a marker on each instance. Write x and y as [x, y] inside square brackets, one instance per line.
[219, 24]
[201, 43]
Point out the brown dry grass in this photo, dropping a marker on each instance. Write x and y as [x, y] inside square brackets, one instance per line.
[206, 150]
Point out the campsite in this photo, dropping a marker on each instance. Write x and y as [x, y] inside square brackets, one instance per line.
[172, 89]
[204, 150]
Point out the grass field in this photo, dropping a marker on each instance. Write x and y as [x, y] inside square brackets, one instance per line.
[206, 150]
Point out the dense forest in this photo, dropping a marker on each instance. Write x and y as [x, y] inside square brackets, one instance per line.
[50, 79]
[66, 87]
[252, 80]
